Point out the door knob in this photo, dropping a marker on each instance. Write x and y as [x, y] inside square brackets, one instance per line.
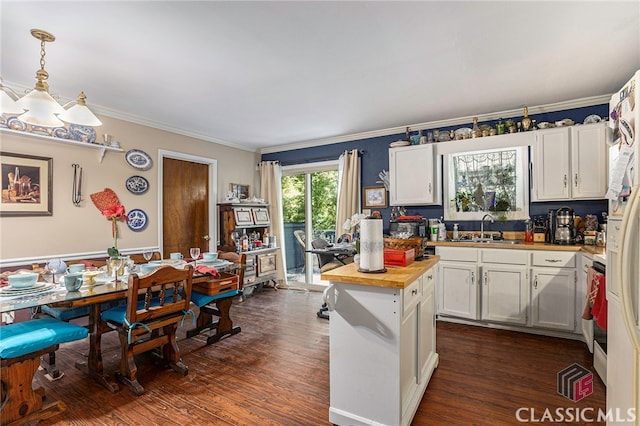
[206, 238]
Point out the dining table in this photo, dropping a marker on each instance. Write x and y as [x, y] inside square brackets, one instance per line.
[93, 296]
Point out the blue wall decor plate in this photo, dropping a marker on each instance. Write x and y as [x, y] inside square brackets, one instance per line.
[82, 133]
[138, 159]
[137, 185]
[137, 220]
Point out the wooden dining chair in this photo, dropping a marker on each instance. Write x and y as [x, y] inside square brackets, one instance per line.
[217, 306]
[156, 304]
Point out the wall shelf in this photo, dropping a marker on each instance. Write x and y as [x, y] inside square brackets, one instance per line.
[102, 148]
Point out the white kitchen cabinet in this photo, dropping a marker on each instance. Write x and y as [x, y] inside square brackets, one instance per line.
[552, 298]
[505, 294]
[505, 286]
[589, 164]
[382, 350]
[570, 163]
[553, 289]
[427, 324]
[414, 176]
[458, 289]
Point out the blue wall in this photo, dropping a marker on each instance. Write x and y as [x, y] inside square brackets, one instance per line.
[376, 158]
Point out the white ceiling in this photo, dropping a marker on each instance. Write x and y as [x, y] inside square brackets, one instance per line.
[264, 74]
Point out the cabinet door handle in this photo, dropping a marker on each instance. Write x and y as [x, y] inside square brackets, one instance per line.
[430, 277]
[575, 179]
[535, 282]
[429, 187]
[486, 278]
[414, 291]
[473, 278]
[553, 260]
[565, 181]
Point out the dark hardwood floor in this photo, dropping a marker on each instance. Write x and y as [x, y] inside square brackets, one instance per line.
[276, 372]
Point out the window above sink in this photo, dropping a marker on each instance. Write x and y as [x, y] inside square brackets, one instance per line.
[492, 180]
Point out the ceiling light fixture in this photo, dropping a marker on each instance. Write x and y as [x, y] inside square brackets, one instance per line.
[41, 108]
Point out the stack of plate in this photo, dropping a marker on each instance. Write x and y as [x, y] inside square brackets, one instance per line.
[37, 288]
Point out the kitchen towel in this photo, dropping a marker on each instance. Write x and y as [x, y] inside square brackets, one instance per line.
[371, 245]
[596, 306]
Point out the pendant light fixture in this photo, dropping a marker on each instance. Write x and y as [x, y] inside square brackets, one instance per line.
[41, 108]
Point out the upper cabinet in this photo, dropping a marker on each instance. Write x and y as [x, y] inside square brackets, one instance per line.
[570, 163]
[414, 176]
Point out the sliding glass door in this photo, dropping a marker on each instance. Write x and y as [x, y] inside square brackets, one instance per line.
[309, 194]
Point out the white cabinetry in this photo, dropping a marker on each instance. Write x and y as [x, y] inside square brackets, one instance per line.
[382, 350]
[527, 288]
[553, 290]
[414, 176]
[505, 295]
[458, 289]
[570, 163]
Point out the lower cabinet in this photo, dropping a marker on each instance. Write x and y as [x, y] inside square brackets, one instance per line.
[458, 288]
[509, 286]
[382, 351]
[553, 293]
[505, 294]
[505, 286]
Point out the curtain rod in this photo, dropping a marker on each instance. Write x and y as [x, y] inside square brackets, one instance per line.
[316, 159]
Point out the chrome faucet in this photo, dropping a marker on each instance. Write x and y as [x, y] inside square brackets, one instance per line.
[482, 224]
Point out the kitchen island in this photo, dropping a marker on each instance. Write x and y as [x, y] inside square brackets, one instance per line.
[382, 342]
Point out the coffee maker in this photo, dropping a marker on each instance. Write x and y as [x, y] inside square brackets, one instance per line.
[564, 229]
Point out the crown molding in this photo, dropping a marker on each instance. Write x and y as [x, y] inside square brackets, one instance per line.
[540, 109]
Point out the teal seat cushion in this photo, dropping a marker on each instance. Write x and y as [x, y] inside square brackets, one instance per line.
[201, 299]
[117, 314]
[30, 336]
[66, 314]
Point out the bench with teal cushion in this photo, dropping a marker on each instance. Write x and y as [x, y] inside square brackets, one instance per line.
[67, 314]
[217, 305]
[21, 345]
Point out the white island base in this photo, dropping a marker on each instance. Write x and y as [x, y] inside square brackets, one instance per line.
[382, 347]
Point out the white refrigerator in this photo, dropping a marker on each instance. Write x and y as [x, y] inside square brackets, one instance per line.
[623, 257]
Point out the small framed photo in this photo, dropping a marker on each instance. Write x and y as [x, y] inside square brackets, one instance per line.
[26, 185]
[260, 216]
[374, 197]
[240, 191]
[243, 216]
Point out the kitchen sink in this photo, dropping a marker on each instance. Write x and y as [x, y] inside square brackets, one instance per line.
[487, 241]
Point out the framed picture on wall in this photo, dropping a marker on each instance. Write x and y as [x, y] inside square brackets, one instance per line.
[26, 185]
[374, 197]
[240, 191]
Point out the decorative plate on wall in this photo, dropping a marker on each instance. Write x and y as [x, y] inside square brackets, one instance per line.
[138, 159]
[137, 220]
[82, 133]
[137, 185]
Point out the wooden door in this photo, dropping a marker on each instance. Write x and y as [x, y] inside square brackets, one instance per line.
[185, 206]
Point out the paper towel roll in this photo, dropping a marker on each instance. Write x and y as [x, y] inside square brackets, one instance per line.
[371, 245]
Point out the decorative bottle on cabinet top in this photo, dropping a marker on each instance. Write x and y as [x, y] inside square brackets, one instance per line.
[526, 121]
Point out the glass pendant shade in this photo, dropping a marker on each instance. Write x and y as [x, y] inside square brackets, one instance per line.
[80, 114]
[8, 105]
[41, 109]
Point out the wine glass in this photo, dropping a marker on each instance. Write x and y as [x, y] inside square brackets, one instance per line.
[195, 254]
[147, 254]
[116, 263]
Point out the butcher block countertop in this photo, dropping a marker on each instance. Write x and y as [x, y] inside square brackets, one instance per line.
[395, 277]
